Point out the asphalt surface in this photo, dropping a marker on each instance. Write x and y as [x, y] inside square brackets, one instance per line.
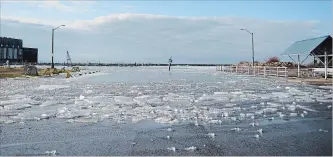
[307, 136]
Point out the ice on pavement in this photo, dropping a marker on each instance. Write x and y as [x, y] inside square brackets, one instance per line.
[196, 95]
[52, 87]
[192, 148]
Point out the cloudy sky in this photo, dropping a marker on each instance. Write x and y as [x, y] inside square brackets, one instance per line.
[152, 31]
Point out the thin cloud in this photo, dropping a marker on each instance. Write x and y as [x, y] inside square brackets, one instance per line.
[56, 4]
[154, 38]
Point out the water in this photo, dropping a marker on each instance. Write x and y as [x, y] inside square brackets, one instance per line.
[138, 103]
[139, 75]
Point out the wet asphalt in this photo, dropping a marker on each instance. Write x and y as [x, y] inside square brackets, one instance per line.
[296, 137]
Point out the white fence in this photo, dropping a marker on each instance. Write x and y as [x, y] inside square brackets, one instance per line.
[256, 70]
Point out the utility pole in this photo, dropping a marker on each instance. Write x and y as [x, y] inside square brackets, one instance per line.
[52, 66]
[252, 45]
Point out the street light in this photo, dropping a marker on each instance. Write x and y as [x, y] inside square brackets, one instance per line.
[52, 66]
[252, 45]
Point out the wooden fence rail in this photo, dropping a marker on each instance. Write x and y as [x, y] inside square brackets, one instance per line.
[256, 70]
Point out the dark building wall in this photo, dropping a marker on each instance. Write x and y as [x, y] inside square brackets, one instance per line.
[10, 42]
[10, 49]
[30, 55]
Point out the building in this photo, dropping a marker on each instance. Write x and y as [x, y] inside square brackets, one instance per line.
[30, 55]
[12, 49]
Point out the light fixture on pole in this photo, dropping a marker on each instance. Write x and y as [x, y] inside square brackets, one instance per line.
[52, 66]
[252, 44]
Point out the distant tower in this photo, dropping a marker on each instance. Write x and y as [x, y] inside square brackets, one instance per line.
[69, 60]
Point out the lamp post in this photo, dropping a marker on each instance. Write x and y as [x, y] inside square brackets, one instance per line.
[252, 45]
[52, 66]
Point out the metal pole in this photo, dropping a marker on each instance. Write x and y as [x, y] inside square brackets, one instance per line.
[248, 70]
[169, 66]
[325, 65]
[52, 66]
[277, 72]
[252, 50]
[298, 66]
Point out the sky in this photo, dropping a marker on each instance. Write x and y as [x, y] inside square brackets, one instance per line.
[152, 31]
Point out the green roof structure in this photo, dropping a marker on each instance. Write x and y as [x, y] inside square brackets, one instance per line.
[320, 48]
[306, 47]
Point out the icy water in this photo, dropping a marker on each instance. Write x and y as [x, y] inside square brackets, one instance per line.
[151, 111]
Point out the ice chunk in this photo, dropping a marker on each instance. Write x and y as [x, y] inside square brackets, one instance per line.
[17, 107]
[249, 114]
[230, 105]
[49, 103]
[260, 131]
[52, 152]
[166, 120]
[211, 135]
[81, 97]
[273, 104]
[306, 108]
[281, 115]
[233, 118]
[141, 100]
[15, 101]
[225, 114]
[172, 149]
[196, 123]
[155, 102]
[256, 136]
[45, 116]
[293, 114]
[254, 124]
[221, 93]
[322, 130]
[51, 87]
[270, 110]
[237, 93]
[169, 129]
[88, 91]
[236, 129]
[62, 110]
[124, 100]
[291, 107]
[237, 108]
[259, 112]
[329, 107]
[192, 148]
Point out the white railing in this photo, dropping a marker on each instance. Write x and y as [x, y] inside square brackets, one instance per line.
[256, 70]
